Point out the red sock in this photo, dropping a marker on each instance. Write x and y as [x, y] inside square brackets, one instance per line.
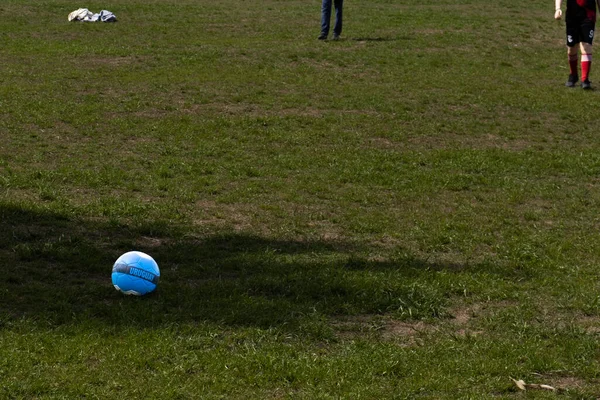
[573, 64]
[586, 64]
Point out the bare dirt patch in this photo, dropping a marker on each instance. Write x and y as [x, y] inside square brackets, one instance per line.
[461, 322]
[561, 382]
[591, 324]
[150, 242]
[221, 214]
[406, 333]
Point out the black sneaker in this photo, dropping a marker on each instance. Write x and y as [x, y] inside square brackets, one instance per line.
[336, 36]
[586, 85]
[572, 80]
[322, 36]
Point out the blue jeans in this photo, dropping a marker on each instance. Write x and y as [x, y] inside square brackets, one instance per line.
[326, 16]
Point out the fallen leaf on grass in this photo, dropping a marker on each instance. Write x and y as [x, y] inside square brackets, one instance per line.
[524, 386]
[520, 384]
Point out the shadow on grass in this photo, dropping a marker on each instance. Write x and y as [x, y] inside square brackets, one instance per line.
[57, 270]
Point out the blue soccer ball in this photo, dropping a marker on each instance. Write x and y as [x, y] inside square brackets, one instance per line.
[135, 273]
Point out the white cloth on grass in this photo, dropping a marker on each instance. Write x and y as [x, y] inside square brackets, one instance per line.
[83, 14]
[104, 16]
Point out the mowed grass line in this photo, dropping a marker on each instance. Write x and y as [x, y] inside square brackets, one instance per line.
[406, 213]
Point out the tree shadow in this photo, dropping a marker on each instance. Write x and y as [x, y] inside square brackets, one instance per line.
[56, 269]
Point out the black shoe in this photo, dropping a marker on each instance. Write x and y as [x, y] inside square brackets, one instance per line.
[586, 85]
[336, 36]
[322, 36]
[572, 80]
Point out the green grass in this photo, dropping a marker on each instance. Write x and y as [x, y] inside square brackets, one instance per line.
[409, 212]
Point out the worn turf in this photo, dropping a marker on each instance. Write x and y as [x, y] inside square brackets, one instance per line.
[409, 212]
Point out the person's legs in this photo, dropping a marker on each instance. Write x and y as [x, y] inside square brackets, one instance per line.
[587, 38]
[573, 74]
[586, 65]
[573, 39]
[339, 6]
[325, 18]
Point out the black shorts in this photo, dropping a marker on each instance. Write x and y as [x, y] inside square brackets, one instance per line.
[580, 30]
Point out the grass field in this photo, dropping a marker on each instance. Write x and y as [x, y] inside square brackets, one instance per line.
[409, 212]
